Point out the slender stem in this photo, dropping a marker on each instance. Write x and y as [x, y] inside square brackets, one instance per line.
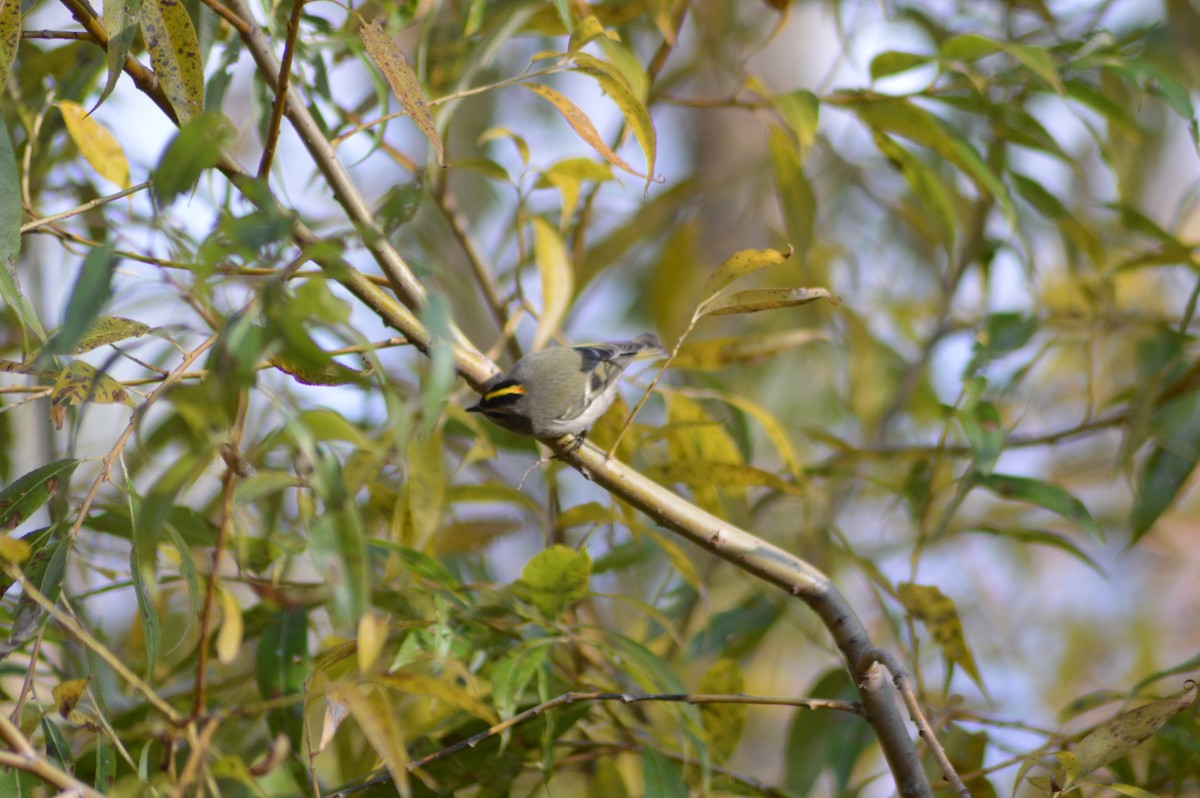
[87, 206]
[87, 639]
[285, 73]
[75, 35]
[25, 757]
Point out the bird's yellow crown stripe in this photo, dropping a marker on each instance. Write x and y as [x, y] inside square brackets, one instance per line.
[507, 390]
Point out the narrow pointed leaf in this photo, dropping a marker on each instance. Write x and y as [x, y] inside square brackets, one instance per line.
[738, 265]
[175, 54]
[757, 300]
[400, 76]
[121, 23]
[558, 280]
[96, 144]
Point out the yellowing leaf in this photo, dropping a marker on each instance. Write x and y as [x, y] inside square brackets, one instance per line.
[376, 717]
[717, 353]
[10, 36]
[558, 280]
[738, 265]
[555, 579]
[618, 89]
[14, 550]
[67, 695]
[579, 121]
[80, 382]
[697, 472]
[400, 76]
[723, 723]
[419, 684]
[1113, 739]
[372, 634]
[937, 611]
[757, 300]
[229, 636]
[426, 487]
[95, 143]
[175, 54]
[568, 176]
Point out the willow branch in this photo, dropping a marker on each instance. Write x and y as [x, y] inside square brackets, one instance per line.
[25, 757]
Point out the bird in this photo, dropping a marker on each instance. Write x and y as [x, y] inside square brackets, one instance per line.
[562, 390]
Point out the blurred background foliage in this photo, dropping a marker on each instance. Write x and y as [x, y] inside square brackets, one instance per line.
[987, 443]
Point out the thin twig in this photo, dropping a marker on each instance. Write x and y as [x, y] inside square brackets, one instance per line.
[25, 757]
[76, 35]
[191, 768]
[281, 91]
[633, 698]
[87, 206]
[84, 636]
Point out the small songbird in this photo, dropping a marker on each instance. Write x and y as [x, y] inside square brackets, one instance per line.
[562, 391]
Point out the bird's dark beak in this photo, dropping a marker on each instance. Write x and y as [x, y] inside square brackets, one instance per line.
[475, 408]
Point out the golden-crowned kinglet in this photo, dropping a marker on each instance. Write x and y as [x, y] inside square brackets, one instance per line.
[561, 391]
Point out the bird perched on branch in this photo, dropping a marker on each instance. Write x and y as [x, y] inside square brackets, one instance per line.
[561, 390]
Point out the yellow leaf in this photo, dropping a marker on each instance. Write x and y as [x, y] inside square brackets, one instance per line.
[426, 487]
[376, 717]
[372, 634]
[579, 121]
[14, 550]
[80, 382]
[175, 54]
[937, 611]
[757, 300]
[10, 36]
[723, 723]
[67, 695]
[558, 280]
[229, 636]
[716, 353]
[555, 579]
[739, 265]
[425, 686]
[568, 176]
[95, 143]
[723, 475]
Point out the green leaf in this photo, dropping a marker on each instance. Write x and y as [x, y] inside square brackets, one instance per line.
[1042, 538]
[1000, 334]
[92, 291]
[426, 487]
[801, 112]
[555, 579]
[662, 777]
[926, 186]
[281, 668]
[121, 23]
[969, 47]
[738, 630]
[1042, 494]
[937, 611]
[909, 121]
[175, 53]
[819, 741]
[980, 421]
[1160, 479]
[797, 200]
[10, 228]
[24, 497]
[196, 147]
[893, 62]
[723, 723]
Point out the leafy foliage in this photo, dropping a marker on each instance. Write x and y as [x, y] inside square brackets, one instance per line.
[929, 306]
